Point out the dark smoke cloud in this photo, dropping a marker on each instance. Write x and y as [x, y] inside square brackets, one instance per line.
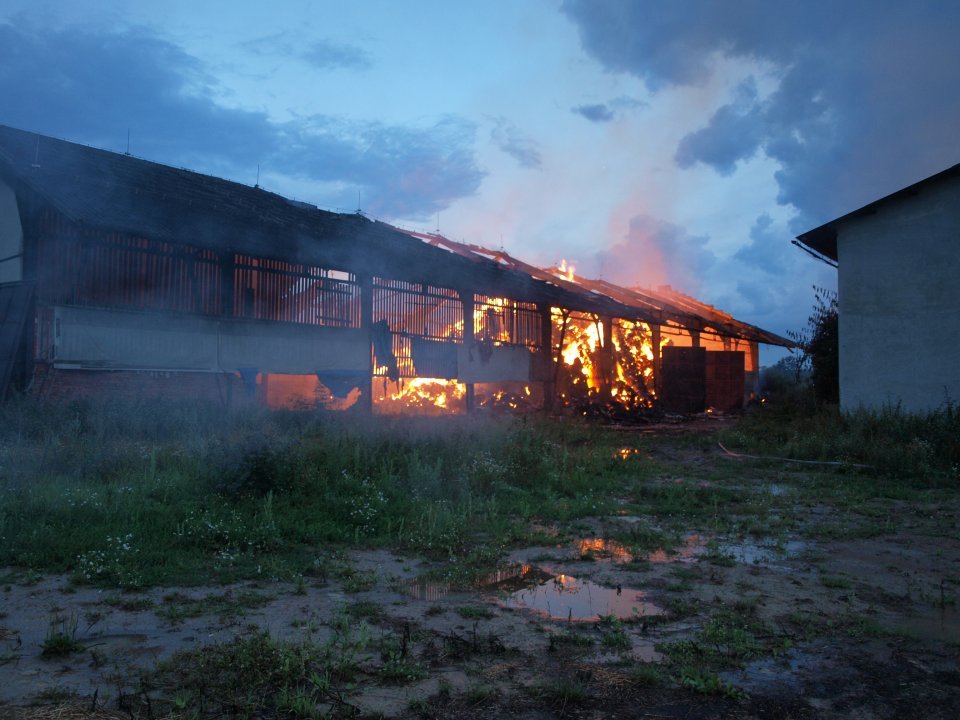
[514, 143]
[92, 86]
[867, 100]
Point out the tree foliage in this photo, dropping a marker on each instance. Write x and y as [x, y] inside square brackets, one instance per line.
[818, 346]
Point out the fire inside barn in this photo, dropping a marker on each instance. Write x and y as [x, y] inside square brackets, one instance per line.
[123, 275]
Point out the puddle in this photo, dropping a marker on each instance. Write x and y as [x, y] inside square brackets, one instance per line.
[568, 598]
[751, 553]
[937, 624]
[507, 579]
[693, 547]
[780, 672]
[602, 549]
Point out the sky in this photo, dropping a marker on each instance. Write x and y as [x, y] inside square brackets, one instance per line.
[644, 142]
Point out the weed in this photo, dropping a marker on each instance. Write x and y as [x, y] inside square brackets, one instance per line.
[177, 606]
[836, 582]
[646, 674]
[475, 612]
[710, 684]
[364, 610]
[127, 603]
[480, 694]
[398, 665]
[252, 675]
[613, 634]
[562, 693]
[61, 638]
[300, 586]
[572, 638]
[358, 581]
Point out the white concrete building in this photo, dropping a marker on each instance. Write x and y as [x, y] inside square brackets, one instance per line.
[898, 261]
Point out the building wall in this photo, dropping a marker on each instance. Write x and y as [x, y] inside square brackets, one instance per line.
[899, 296]
[120, 339]
[54, 384]
[11, 236]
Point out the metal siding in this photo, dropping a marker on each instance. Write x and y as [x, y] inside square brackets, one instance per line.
[96, 338]
[684, 379]
[725, 379]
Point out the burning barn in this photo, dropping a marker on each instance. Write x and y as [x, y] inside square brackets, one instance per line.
[119, 274]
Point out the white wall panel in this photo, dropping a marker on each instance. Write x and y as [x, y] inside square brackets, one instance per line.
[89, 337]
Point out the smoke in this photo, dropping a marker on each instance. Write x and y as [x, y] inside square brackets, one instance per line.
[514, 143]
[653, 253]
[864, 98]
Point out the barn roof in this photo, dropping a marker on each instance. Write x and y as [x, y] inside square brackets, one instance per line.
[823, 240]
[116, 192]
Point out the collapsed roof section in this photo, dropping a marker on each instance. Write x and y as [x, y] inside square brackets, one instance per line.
[108, 191]
[663, 306]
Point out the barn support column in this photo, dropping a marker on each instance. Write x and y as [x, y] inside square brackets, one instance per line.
[606, 355]
[227, 267]
[366, 324]
[753, 392]
[694, 338]
[545, 356]
[655, 341]
[466, 300]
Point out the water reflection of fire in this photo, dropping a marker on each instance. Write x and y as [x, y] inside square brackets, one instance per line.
[603, 548]
[692, 547]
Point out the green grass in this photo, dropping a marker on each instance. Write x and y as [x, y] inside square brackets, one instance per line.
[837, 582]
[134, 495]
[129, 495]
[177, 607]
[475, 612]
[924, 450]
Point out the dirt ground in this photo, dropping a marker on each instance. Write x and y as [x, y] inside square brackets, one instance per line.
[885, 643]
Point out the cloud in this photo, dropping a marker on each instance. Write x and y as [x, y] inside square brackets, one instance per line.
[865, 98]
[732, 135]
[595, 113]
[514, 143]
[326, 54]
[94, 86]
[322, 54]
[654, 252]
[605, 112]
[767, 246]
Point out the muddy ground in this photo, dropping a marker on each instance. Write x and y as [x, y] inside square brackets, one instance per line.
[857, 627]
